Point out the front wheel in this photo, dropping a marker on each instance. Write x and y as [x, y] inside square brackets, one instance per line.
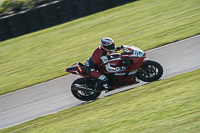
[150, 71]
[83, 95]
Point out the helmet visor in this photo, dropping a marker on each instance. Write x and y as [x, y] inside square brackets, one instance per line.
[110, 47]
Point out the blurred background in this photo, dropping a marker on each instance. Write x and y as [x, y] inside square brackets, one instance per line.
[39, 39]
[19, 17]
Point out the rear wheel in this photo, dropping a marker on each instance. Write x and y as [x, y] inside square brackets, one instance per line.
[150, 71]
[83, 95]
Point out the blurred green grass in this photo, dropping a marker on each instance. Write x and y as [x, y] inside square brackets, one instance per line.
[43, 55]
[165, 106]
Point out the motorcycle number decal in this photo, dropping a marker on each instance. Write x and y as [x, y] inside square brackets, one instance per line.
[137, 53]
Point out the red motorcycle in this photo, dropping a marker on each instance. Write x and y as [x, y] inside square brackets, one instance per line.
[137, 68]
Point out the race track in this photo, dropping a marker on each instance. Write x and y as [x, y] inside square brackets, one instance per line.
[53, 96]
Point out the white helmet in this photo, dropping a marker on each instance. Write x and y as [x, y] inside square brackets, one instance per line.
[108, 44]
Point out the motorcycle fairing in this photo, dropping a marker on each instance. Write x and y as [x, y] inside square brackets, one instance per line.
[118, 62]
[133, 72]
[72, 69]
[124, 80]
[134, 51]
[78, 69]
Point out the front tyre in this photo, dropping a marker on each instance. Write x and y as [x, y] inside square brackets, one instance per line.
[83, 95]
[150, 71]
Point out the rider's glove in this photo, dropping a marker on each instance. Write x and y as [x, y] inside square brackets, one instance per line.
[117, 48]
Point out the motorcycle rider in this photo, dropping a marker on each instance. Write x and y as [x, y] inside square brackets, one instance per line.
[98, 57]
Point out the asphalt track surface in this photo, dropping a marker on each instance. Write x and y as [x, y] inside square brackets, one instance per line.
[55, 95]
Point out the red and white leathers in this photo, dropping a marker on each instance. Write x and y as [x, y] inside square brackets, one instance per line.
[98, 57]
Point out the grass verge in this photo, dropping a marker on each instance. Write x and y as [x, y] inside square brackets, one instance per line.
[43, 55]
[166, 106]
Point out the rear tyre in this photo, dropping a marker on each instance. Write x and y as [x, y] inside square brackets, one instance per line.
[83, 95]
[151, 71]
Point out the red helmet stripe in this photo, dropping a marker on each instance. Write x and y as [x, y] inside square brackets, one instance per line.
[107, 42]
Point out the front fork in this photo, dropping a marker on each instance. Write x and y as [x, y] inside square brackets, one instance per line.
[145, 60]
[142, 70]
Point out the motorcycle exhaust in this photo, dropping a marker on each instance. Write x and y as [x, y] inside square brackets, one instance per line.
[82, 88]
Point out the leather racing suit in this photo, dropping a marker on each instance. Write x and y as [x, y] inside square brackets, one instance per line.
[98, 57]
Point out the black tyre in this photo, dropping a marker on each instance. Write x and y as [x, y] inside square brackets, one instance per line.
[151, 71]
[83, 95]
